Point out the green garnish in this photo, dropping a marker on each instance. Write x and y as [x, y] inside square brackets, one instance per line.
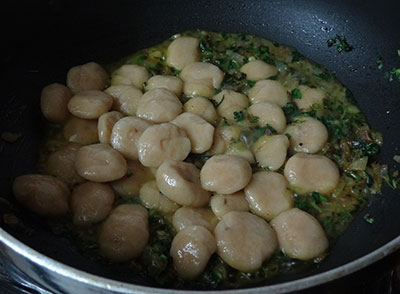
[379, 62]
[393, 74]
[216, 104]
[140, 60]
[266, 168]
[250, 83]
[391, 182]
[368, 219]
[341, 44]
[239, 116]
[296, 94]
[254, 119]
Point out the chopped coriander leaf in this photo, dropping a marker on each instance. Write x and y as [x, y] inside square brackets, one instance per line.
[326, 76]
[393, 74]
[254, 119]
[239, 116]
[319, 197]
[296, 94]
[341, 44]
[391, 182]
[315, 106]
[266, 168]
[313, 204]
[250, 83]
[288, 136]
[368, 219]
[140, 60]
[216, 104]
[379, 62]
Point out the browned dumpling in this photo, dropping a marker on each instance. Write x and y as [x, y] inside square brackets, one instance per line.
[43, 194]
[299, 234]
[53, 102]
[125, 233]
[191, 249]
[91, 203]
[244, 241]
[100, 163]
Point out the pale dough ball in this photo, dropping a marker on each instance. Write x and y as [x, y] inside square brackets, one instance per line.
[229, 102]
[309, 97]
[159, 105]
[129, 186]
[307, 135]
[268, 113]
[105, 125]
[311, 173]
[125, 233]
[201, 79]
[88, 76]
[162, 142]
[180, 182]
[202, 107]
[130, 75]
[268, 194]
[258, 70]
[244, 240]
[100, 163]
[299, 234]
[225, 174]
[90, 104]
[269, 91]
[183, 51]
[170, 83]
[152, 198]
[125, 98]
[190, 250]
[271, 151]
[186, 217]
[125, 135]
[199, 131]
[221, 204]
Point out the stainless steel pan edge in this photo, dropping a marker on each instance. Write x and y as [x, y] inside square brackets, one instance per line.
[59, 278]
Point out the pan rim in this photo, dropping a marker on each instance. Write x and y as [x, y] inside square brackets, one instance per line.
[92, 280]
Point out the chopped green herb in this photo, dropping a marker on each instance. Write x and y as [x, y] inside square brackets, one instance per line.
[341, 44]
[393, 74]
[326, 76]
[315, 106]
[296, 94]
[216, 104]
[288, 136]
[239, 116]
[250, 83]
[368, 219]
[254, 119]
[140, 60]
[313, 204]
[379, 62]
[398, 52]
[266, 168]
[319, 197]
[391, 182]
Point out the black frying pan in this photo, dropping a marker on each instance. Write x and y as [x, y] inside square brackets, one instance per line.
[43, 39]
